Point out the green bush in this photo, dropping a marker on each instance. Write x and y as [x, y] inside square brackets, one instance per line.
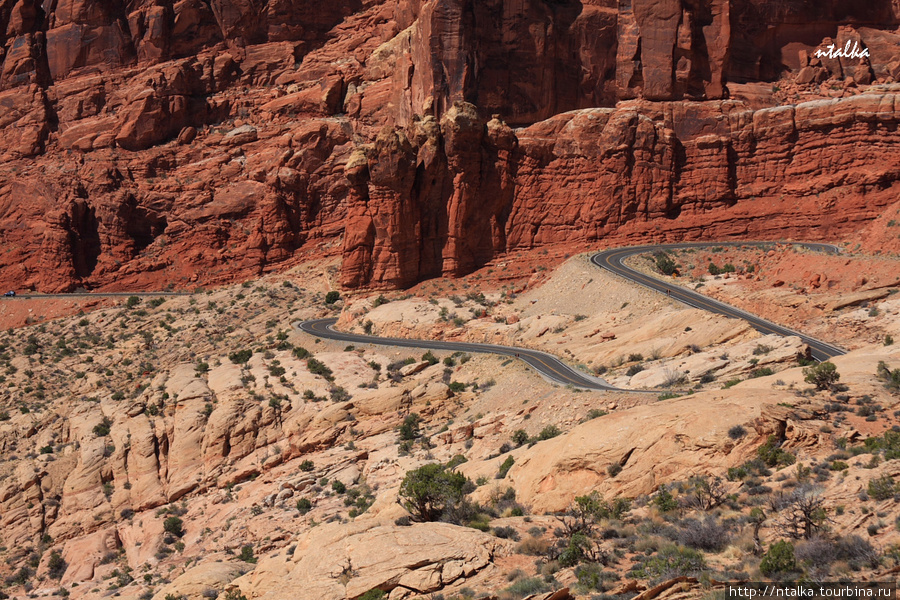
[300, 352]
[431, 489]
[882, 488]
[528, 587]
[317, 367]
[773, 456]
[56, 566]
[430, 358]
[665, 263]
[674, 561]
[520, 437]
[779, 559]
[664, 500]
[822, 375]
[550, 431]
[132, 301]
[332, 297]
[247, 554]
[102, 429]
[374, 594]
[505, 467]
[239, 357]
[304, 505]
[307, 466]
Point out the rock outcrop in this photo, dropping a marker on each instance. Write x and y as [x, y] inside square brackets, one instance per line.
[339, 562]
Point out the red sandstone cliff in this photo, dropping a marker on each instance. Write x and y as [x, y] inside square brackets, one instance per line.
[147, 144]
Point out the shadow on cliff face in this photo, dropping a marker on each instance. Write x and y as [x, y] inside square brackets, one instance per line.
[84, 238]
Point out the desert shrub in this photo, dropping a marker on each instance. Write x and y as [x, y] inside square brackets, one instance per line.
[760, 372]
[520, 437]
[246, 554]
[304, 505]
[737, 432]
[373, 594]
[430, 358]
[891, 378]
[528, 587]
[822, 375]
[634, 369]
[300, 352]
[664, 501]
[665, 263]
[505, 467]
[816, 552]
[591, 576]
[772, 455]
[240, 356]
[778, 559]
[882, 488]
[307, 466]
[56, 566]
[103, 428]
[533, 546]
[506, 533]
[856, 550]
[707, 534]
[550, 431]
[317, 367]
[332, 297]
[672, 561]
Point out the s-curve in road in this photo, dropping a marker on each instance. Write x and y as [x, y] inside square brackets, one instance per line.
[614, 261]
[546, 364]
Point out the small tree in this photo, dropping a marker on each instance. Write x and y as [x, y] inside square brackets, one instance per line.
[779, 559]
[56, 566]
[823, 375]
[520, 437]
[332, 297]
[247, 554]
[706, 493]
[174, 526]
[882, 488]
[804, 514]
[409, 430]
[431, 489]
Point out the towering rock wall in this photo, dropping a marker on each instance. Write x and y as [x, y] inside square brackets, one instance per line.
[147, 144]
[640, 172]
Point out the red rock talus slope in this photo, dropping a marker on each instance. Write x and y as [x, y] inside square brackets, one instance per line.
[147, 144]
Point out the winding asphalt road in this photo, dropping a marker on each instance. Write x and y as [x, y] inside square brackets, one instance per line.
[546, 364]
[612, 260]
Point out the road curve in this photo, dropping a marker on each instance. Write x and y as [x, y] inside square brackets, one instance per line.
[613, 260]
[546, 364]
